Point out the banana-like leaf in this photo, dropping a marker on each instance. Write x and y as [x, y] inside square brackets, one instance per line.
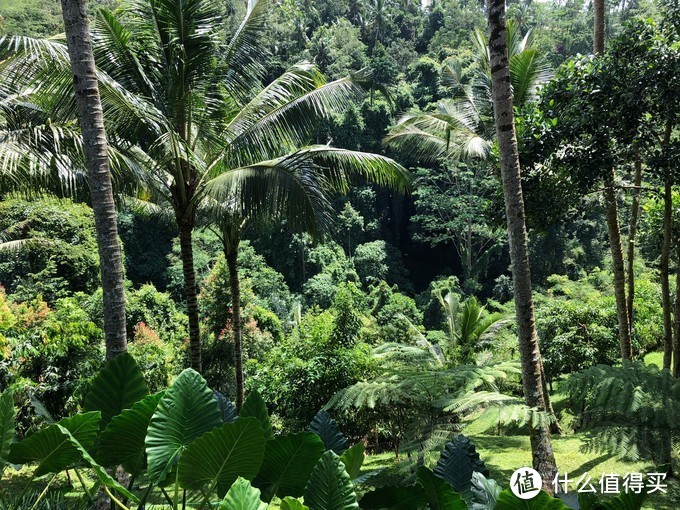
[439, 494]
[353, 459]
[289, 503]
[186, 411]
[543, 501]
[101, 473]
[327, 429]
[242, 496]
[288, 462]
[51, 449]
[227, 408]
[255, 407]
[218, 458]
[7, 413]
[395, 498]
[329, 486]
[116, 387]
[458, 461]
[122, 441]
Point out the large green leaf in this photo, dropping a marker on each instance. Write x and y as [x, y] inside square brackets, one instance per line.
[122, 441]
[543, 501]
[458, 461]
[53, 450]
[255, 407]
[624, 501]
[116, 387]
[101, 473]
[289, 503]
[242, 496]
[227, 408]
[327, 429]
[219, 457]
[7, 413]
[186, 411]
[288, 462]
[329, 487]
[395, 498]
[439, 494]
[484, 492]
[353, 459]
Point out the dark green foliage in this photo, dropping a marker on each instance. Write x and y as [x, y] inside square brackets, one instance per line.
[394, 498]
[227, 408]
[329, 486]
[255, 406]
[458, 461]
[328, 430]
[543, 501]
[7, 413]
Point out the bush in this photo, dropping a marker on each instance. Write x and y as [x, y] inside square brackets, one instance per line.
[155, 357]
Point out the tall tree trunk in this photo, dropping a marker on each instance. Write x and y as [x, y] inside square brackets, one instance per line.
[632, 234]
[665, 255]
[598, 27]
[190, 289]
[231, 254]
[676, 322]
[541, 445]
[614, 229]
[95, 147]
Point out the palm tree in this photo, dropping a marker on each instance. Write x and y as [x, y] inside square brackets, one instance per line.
[294, 188]
[96, 158]
[532, 372]
[197, 111]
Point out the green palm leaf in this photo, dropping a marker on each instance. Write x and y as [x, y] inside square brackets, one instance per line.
[186, 411]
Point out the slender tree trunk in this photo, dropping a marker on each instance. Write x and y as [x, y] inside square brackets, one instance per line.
[676, 322]
[612, 214]
[190, 289]
[665, 255]
[555, 427]
[231, 254]
[91, 119]
[632, 234]
[598, 27]
[541, 445]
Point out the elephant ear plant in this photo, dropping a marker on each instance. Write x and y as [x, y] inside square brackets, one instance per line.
[186, 446]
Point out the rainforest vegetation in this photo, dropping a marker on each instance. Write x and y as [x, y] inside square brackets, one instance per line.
[339, 254]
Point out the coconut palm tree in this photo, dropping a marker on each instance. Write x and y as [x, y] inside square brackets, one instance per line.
[197, 113]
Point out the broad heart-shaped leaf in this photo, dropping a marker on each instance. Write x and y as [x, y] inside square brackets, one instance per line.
[353, 459]
[219, 457]
[329, 487]
[255, 407]
[458, 461]
[327, 429]
[288, 462]
[52, 449]
[117, 386]
[186, 411]
[122, 441]
[101, 473]
[242, 496]
[439, 494]
[40, 409]
[395, 498]
[227, 408]
[289, 503]
[7, 413]
[484, 492]
[543, 501]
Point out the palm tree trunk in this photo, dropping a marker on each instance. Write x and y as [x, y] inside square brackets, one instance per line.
[676, 322]
[632, 234]
[665, 255]
[612, 214]
[190, 289]
[541, 445]
[231, 254]
[598, 27]
[95, 147]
